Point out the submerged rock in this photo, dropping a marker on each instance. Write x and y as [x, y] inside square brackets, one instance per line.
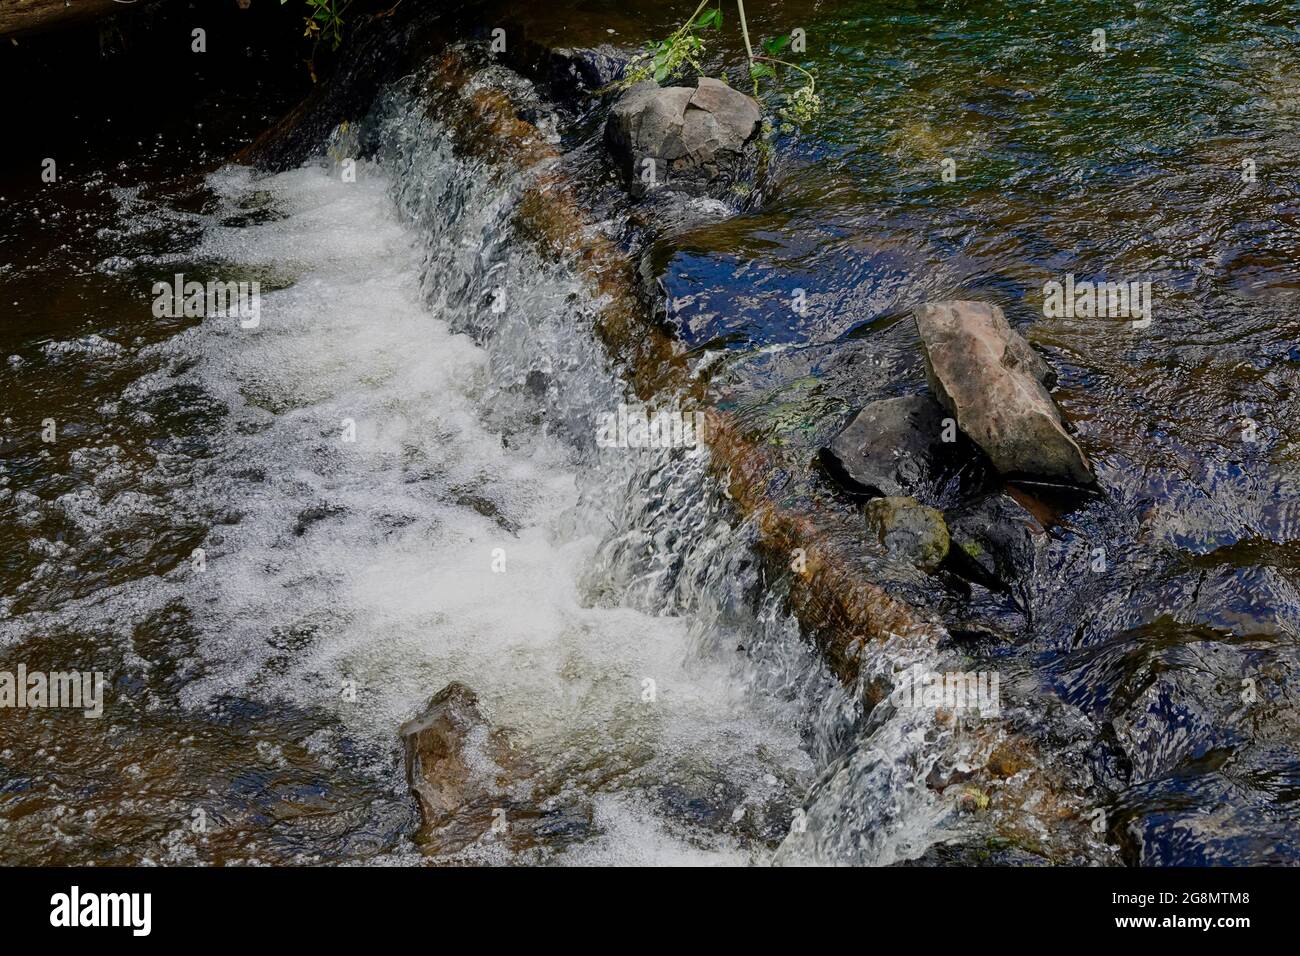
[454, 759]
[892, 447]
[692, 138]
[999, 536]
[995, 385]
[909, 529]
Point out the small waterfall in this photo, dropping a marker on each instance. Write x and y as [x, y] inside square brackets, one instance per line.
[669, 545]
[395, 483]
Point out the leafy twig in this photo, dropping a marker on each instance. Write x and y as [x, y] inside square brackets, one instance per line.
[324, 20]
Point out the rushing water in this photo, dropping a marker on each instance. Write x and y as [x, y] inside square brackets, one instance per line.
[388, 494]
[358, 469]
[1165, 158]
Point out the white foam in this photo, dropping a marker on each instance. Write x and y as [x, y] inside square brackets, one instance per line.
[389, 582]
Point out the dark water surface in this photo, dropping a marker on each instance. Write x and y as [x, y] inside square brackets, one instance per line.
[1176, 662]
[1122, 166]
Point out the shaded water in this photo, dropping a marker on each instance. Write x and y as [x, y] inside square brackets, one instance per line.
[367, 565]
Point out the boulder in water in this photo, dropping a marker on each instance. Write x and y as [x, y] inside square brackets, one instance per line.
[586, 69]
[453, 756]
[893, 447]
[473, 785]
[693, 139]
[1000, 537]
[995, 385]
[570, 75]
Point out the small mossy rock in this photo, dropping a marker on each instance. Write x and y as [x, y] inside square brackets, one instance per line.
[990, 379]
[893, 447]
[696, 138]
[910, 530]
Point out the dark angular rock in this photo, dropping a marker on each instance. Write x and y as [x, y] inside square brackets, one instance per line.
[999, 536]
[578, 70]
[893, 447]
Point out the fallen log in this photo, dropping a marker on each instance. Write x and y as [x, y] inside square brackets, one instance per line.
[33, 16]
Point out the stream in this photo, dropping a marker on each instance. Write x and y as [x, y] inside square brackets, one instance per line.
[279, 541]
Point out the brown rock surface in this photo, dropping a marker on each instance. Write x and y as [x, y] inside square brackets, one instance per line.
[29, 16]
[994, 384]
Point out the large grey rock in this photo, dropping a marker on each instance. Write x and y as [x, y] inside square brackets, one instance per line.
[892, 447]
[694, 136]
[995, 385]
[910, 530]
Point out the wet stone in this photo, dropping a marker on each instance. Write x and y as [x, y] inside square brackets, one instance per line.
[894, 447]
[990, 379]
[997, 535]
[694, 140]
[454, 758]
[910, 530]
[571, 71]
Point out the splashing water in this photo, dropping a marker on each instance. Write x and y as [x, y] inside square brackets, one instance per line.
[401, 490]
[392, 483]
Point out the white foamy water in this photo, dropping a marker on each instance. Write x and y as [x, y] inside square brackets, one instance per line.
[430, 547]
[397, 486]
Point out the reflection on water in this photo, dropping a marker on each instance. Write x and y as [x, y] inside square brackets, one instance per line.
[1163, 159]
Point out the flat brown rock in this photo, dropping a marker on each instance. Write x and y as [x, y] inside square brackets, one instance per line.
[454, 758]
[994, 384]
[28, 16]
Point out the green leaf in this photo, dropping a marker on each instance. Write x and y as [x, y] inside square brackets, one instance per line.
[661, 73]
[776, 45]
[757, 70]
[709, 18]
